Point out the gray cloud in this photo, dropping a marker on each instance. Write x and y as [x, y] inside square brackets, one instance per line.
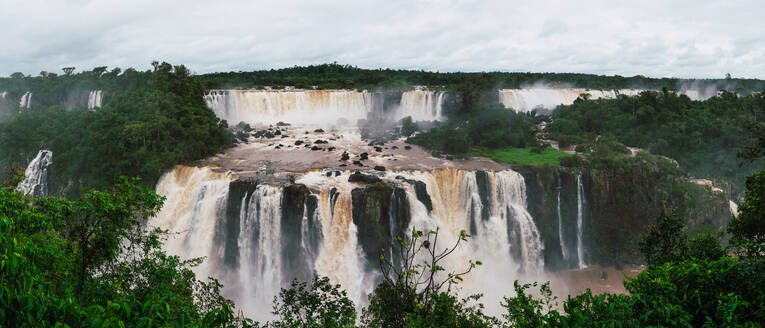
[655, 38]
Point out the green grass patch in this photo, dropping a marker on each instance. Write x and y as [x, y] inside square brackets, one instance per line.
[523, 156]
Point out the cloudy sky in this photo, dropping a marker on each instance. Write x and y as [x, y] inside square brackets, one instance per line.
[688, 38]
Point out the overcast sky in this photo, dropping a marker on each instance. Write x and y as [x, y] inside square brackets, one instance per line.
[693, 38]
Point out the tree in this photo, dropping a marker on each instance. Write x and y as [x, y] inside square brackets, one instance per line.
[748, 228]
[417, 291]
[68, 70]
[320, 305]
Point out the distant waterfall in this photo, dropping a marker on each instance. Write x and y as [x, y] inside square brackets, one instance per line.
[579, 220]
[94, 98]
[35, 181]
[422, 105]
[26, 100]
[526, 100]
[258, 237]
[3, 94]
[563, 249]
[300, 106]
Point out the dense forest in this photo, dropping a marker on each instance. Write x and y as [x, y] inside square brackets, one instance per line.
[336, 76]
[156, 120]
[704, 137]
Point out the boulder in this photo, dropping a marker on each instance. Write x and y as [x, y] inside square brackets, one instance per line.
[363, 178]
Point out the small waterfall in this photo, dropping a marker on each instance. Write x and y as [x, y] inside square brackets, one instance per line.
[733, 208]
[579, 220]
[3, 94]
[299, 106]
[422, 105]
[563, 249]
[94, 99]
[35, 181]
[26, 100]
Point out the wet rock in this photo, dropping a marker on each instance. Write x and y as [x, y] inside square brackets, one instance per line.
[364, 156]
[318, 130]
[329, 173]
[394, 147]
[321, 141]
[337, 173]
[379, 168]
[378, 149]
[343, 165]
[278, 133]
[315, 148]
[407, 147]
[280, 123]
[345, 156]
[331, 149]
[363, 178]
[285, 136]
[358, 163]
[298, 143]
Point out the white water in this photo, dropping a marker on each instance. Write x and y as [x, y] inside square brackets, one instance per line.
[563, 249]
[300, 107]
[733, 208]
[35, 181]
[528, 99]
[508, 242]
[26, 100]
[579, 220]
[422, 105]
[94, 98]
[260, 272]
[3, 94]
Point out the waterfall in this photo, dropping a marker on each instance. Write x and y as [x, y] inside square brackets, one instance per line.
[422, 105]
[579, 220]
[564, 251]
[528, 99]
[35, 181]
[26, 100]
[733, 208]
[299, 106]
[260, 273]
[243, 228]
[3, 94]
[94, 98]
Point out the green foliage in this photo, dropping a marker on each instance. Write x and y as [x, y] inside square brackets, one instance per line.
[525, 156]
[748, 228]
[89, 262]
[703, 136]
[320, 305]
[150, 122]
[407, 126]
[663, 241]
[417, 291]
[487, 128]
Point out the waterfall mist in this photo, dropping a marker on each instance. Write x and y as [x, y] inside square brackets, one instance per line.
[258, 237]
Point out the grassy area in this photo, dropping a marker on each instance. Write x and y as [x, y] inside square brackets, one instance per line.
[523, 156]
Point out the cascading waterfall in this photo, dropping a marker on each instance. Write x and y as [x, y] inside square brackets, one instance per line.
[3, 94]
[422, 105]
[579, 220]
[26, 100]
[94, 98]
[299, 106]
[35, 181]
[260, 270]
[563, 249]
[245, 231]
